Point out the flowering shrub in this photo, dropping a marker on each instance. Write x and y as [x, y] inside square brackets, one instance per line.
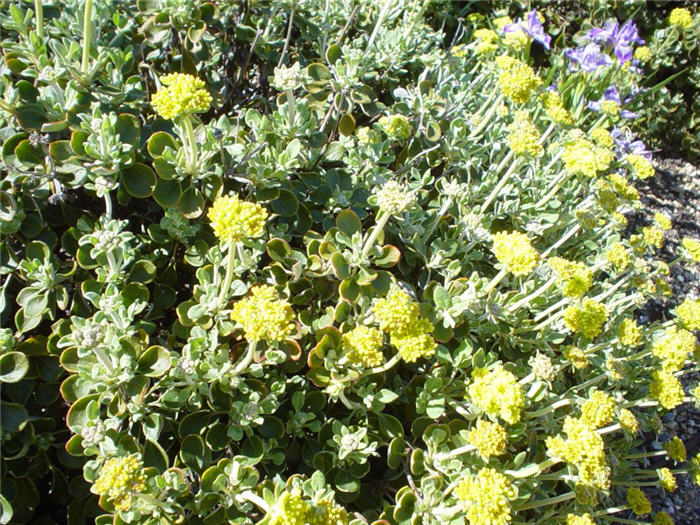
[325, 263]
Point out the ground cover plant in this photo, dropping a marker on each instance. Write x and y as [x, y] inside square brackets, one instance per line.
[332, 262]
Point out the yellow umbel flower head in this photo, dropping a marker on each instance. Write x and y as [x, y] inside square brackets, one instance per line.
[666, 389]
[587, 319]
[663, 221]
[602, 137]
[291, 509]
[394, 198]
[673, 348]
[363, 346]
[667, 480]
[641, 166]
[180, 94]
[628, 421]
[638, 501]
[675, 448]
[585, 519]
[517, 80]
[524, 137]
[397, 312]
[555, 110]
[642, 53]
[680, 17]
[497, 392]
[581, 156]
[653, 237]
[515, 252]
[328, 512]
[397, 127]
[688, 314]
[120, 479]
[415, 341]
[662, 518]
[485, 497]
[263, 315]
[574, 278]
[486, 41]
[577, 357]
[598, 410]
[692, 247]
[233, 219]
[490, 439]
[629, 333]
[619, 256]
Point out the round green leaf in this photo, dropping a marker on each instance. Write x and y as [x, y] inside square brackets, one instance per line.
[13, 367]
[138, 180]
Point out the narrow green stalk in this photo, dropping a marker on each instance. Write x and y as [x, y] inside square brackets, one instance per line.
[532, 470]
[609, 429]
[456, 452]
[108, 206]
[547, 501]
[39, 8]
[255, 500]
[494, 282]
[446, 205]
[383, 368]
[291, 107]
[228, 279]
[647, 455]
[382, 219]
[539, 291]
[551, 408]
[501, 183]
[493, 106]
[380, 21]
[350, 405]
[190, 143]
[87, 36]
[247, 359]
[102, 357]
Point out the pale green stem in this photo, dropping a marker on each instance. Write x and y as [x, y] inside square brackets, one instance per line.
[113, 266]
[247, 359]
[108, 206]
[593, 381]
[380, 21]
[228, 279]
[39, 8]
[622, 520]
[573, 231]
[640, 404]
[291, 107]
[547, 501]
[255, 500]
[609, 429]
[539, 291]
[551, 408]
[487, 117]
[87, 36]
[350, 405]
[647, 455]
[532, 470]
[456, 452]
[445, 206]
[382, 219]
[494, 282]
[383, 368]
[105, 360]
[191, 143]
[501, 183]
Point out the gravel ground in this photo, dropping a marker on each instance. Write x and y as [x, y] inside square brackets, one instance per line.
[675, 190]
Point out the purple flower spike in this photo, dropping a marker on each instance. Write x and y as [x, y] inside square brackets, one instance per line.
[588, 58]
[624, 140]
[532, 27]
[603, 35]
[620, 38]
[613, 95]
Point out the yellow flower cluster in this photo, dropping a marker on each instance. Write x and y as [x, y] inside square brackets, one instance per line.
[619, 256]
[486, 41]
[263, 315]
[662, 518]
[642, 53]
[663, 221]
[577, 357]
[501, 22]
[638, 501]
[233, 219]
[485, 497]
[667, 479]
[574, 278]
[515, 252]
[584, 157]
[524, 137]
[628, 421]
[688, 314]
[598, 410]
[692, 246]
[602, 137]
[410, 333]
[120, 479]
[653, 237]
[497, 392]
[587, 319]
[623, 187]
[517, 80]
[291, 509]
[328, 512]
[180, 94]
[666, 389]
[641, 166]
[675, 448]
[490, 439]
[363, 346]
[610, 107]
[585, 519]
[629, 333]
[393, 198]
[673, 348]
[680, 17]
[396, 126]
[584, 448]
[555, 110]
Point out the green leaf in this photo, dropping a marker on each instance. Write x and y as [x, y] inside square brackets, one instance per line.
[286, 204]
[78, 412]
[159, 141]
[138, 180]
[13, 367]
[346, 125]
[61, 150]
[143, 271]
[341, 269]
[344, 482]
[28, 154]
[278, 249]
[348, 222]
[13, 417]
[154, 456]
[167, 193]
[252, 451]
[191, 203]
[155, 361]
[30, 117]
[194, 453]
[389, 256]
[349, 290]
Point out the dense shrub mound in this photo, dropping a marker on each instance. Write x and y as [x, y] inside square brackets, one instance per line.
[331, 262]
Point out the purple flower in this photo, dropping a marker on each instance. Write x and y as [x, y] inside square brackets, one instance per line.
[626, 145]
[532, 27]
[620, 38]
[588, 58]
[603, 35]
[613, 95]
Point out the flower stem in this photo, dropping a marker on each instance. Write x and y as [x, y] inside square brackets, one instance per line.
[247, 359]
[39, 8]
[547, 501]
[494, 282]
[191, 143]
[87, 35]
[382, 219]
[291, 107]
[494, 193]
[108, 206]
[533, 470]
[255, 500]
[228, 279]
[456, 452]
[550, 408]
[383, 368]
